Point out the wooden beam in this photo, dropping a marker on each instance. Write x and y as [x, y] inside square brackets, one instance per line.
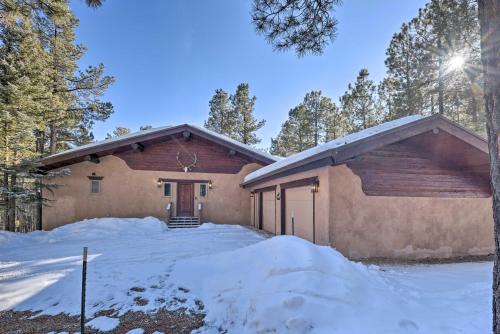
[182, 181]
[138, 147]
[300, 183]
[261, 190]
[92, 158]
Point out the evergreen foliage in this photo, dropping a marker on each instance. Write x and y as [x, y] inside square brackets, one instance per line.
[233, 115]
[46, 103]
[221, 118]
[359, 103]
[306, 26]
[315, 120]
[118, 131]
[425, 75]
[243, 106]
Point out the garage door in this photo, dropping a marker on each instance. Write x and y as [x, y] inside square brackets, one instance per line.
[299, 212]
[269, 211]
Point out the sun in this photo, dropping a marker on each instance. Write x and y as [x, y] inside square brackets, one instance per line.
[456, 62]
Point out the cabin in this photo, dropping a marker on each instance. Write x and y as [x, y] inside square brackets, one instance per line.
[410, 189]
[183, 174]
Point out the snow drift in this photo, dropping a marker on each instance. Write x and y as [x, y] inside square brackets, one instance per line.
[247, 283]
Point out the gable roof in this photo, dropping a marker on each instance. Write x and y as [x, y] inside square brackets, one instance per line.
[121, 143]
[342, 149]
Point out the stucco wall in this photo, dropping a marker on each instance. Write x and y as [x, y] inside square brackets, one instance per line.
[135, 193]
[322, 201]
[405, 227]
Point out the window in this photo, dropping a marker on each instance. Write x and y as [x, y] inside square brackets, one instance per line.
[203, 190]
[95, 186]
[167, 189]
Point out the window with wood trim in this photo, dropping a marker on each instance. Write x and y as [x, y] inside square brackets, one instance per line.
[167, 189]
[203, 190]
[95, 186]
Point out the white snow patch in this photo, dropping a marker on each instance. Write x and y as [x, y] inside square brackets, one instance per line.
[103, 323]
[136, 331]
[353, 137]
[247, 283]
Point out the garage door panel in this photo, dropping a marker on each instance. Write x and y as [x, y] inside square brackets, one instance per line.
[269, 211]
[299, 206]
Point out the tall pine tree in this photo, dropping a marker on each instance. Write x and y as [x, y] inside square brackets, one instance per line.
[243, 106]
[222, 118]
[359, 102]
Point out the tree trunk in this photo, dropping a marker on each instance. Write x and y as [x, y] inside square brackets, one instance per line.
[53, 138]
[489, 20]
[5, 199]
[440, 79]
[11, 212]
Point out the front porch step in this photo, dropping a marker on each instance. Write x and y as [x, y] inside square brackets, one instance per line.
[183, 222]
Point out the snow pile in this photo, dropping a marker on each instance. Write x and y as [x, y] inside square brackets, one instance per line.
[247, 284]
[285, 284]
[336, 143]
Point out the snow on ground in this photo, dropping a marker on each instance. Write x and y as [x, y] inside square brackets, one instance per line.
[247, 283]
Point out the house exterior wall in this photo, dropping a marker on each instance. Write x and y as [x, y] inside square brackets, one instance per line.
[396, 227]
[321, 208]
[134, 193]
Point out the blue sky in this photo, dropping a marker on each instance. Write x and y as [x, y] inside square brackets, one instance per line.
[168, 57]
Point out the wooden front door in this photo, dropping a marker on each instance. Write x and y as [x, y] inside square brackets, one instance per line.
[185, 199]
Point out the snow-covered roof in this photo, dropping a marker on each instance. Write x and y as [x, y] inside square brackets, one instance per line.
[237, 143]
[336, 143]
[85, 149]
[111, 140]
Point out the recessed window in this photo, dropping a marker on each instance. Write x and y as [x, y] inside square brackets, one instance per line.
[167, 189]
[95, 186]
[203, 190]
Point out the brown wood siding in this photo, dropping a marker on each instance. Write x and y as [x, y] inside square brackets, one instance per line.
[407, 169]
[211, 158]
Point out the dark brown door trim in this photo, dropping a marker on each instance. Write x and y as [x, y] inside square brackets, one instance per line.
[283, 211]
[261, 211]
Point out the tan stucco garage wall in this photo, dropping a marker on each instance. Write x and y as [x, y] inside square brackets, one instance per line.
[405, 227]
[322, 201]
[135, 193]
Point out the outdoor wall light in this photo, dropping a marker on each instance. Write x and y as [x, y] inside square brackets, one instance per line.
[278, 196]
[315, 187]
[252, 194]
[210, 184]
[159, 183]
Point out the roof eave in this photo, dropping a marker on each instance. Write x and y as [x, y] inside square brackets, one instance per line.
[348, 151]
[61, 158]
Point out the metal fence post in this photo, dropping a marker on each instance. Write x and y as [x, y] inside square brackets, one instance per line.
[84, 278]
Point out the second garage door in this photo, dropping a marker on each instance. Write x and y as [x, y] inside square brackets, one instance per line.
[299, 212]
[269, 211]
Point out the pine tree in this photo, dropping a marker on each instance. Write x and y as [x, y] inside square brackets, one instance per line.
[405, 77]
[316, 105]
[222, 118]
[359, 102]
[336, 122]
[145, 127]
[243, 107]
[117, 132]
[75, 102]
[421, 76]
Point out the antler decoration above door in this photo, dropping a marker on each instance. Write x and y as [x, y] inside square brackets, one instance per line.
[187, 168]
